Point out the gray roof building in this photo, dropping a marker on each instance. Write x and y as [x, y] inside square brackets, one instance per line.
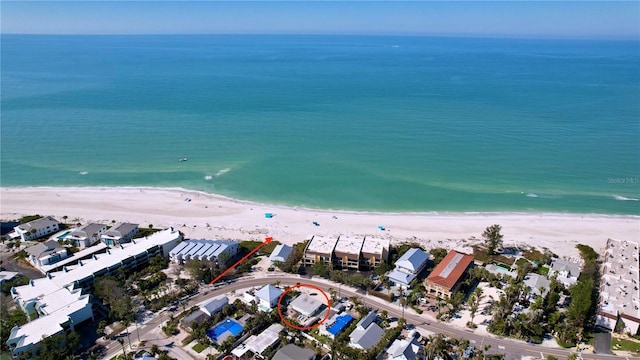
[43, 249]
[366, 338]
[367, 333]
[88, 230]
[413, 261]
[409, 266]
[566, 272]
[38, 224]
[121, 229]
[280, 253]
[538, 284]
[195, 317]
[293, 352]
[214, 305]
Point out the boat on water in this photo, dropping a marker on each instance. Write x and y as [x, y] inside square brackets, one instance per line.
[182, 159]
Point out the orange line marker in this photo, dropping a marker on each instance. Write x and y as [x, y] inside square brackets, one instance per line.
[266, 241]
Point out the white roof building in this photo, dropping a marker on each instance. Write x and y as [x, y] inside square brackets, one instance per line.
[406, 349]
[268, 297]
[347, 252]
[58, 297]
[7, 276]
[619, 288]
[306, 305]
[320, 249]
[375, 251]
[261, 342]
[203, 250]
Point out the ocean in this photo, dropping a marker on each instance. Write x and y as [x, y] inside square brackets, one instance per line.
[372, 123]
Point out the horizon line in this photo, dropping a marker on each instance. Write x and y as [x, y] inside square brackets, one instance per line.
[477, 36]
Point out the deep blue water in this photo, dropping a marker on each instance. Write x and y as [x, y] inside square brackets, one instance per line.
[348, 122]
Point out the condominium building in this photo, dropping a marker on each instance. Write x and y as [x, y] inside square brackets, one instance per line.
[347, 253]
[59, 300]
[448, 275]
[209, 250]
[619, 294]
[319, 250]
[374, 252]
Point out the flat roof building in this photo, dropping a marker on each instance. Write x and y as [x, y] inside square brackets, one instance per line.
[447, 276]
[319, 250]
[58, 299]
[347, 252]
[619, 288]
[374, 252]
[306, 305]
[258, 344]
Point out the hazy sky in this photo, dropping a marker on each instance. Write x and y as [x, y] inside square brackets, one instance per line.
[583, 19]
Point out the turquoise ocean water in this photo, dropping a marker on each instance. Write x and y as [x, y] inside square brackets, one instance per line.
[344, 122]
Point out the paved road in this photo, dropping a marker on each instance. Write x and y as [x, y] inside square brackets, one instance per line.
[514, 349]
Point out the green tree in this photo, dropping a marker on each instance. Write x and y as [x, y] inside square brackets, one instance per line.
[320, 269]
[438, 254]
[493, 238]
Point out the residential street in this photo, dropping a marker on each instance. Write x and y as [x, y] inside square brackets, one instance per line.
[513, 349]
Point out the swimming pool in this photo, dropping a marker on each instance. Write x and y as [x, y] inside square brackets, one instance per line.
[223, 330]
[339, 324]
[64, 235]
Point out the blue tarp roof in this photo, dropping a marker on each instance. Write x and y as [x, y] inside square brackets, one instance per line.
[341, 322]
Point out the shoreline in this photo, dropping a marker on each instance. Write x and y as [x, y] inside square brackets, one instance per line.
[203, 215]
[217, 196]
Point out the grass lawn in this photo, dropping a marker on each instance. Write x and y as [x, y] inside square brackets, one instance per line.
[625, 345]
[199, 347]
[543, 270]
[265, 250]
[5, 356]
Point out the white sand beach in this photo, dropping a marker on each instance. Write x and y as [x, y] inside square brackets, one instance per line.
[200, 215]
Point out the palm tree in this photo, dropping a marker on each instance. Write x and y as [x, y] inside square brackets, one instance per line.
[124, 354]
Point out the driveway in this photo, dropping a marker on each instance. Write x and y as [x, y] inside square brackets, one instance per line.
[10, 264]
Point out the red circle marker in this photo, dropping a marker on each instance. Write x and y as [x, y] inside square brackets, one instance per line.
[305, 327]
